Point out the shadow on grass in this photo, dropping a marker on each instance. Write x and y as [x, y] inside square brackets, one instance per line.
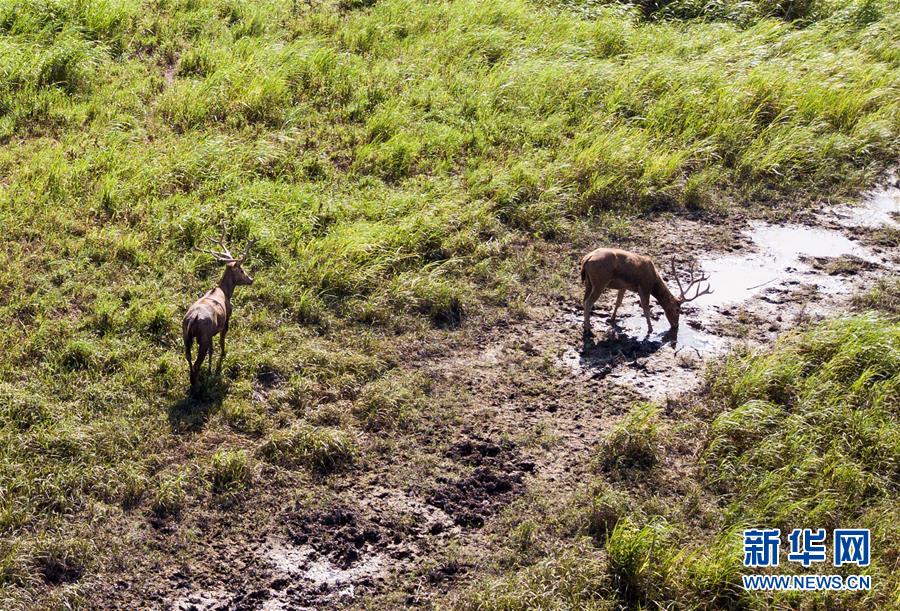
[191, 413]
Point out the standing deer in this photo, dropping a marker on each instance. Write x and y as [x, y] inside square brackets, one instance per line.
[210, 314]
[622, 270]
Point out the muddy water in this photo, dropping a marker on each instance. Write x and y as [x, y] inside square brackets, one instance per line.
[762, 280]
[882, 207]
[778, 259]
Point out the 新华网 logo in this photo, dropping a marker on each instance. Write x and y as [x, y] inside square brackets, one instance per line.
[850, 546]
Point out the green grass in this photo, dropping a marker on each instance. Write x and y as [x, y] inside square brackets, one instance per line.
[390, 402]
[320, 448]
[810, 431]
[390, 161]
[229, 471]
[804, 435]
[633, 440]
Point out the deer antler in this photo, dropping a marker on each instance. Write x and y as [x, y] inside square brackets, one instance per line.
[247, 250]
[225, 256]
[675, 275]
[693, 282]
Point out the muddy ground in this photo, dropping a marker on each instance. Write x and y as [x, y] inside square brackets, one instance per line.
[518, 408]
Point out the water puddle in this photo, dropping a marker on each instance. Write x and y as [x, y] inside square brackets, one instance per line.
[881, 207]
[783, 260]
[781, 257]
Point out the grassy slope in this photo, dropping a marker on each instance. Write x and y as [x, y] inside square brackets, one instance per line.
[387, 160]
[805, 435]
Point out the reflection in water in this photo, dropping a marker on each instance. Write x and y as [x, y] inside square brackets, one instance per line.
[633, 327]
[627, 341]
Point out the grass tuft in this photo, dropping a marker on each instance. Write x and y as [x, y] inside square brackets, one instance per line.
[633, 442]
[320, 449]
[391, 402]
[229, 471]
[61, 560]
[169, 496]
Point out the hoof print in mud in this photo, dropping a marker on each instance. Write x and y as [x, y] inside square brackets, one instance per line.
[495, 481]
[443, 573]
[337, 533]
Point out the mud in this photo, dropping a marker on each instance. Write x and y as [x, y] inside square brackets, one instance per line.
[332, 554]
[496, 478]
[338, 533]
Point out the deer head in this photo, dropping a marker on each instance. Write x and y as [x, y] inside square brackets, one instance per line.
[233, 264]
[694, 282]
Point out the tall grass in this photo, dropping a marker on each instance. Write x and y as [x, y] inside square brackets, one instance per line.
[810, 433]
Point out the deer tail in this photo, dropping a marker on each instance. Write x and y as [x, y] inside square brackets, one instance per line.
[187, 334]
[583, 270]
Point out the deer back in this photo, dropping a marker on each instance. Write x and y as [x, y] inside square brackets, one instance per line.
[620, 269]
[209, 314]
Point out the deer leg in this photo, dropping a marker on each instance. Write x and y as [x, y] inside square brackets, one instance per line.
[187, 354]
[612, 319]
[587, 306]
[210, 361]
[222, 347]
[645, 305]
[589, 301]
[203, 347]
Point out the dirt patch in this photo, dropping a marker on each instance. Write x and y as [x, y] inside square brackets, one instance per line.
[496, 479]
[337, 533]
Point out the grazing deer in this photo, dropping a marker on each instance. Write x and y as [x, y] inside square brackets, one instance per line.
[210, 314]
[622, 270]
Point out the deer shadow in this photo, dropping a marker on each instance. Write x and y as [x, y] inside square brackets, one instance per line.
[617, 347]
[190, 413]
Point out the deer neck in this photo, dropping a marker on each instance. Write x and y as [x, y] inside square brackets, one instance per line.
[227, 283]
[667, 300]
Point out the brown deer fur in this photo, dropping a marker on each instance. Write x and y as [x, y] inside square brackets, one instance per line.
[621, 270]
[210, 314]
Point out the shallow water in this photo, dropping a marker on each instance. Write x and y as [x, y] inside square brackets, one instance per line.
[788, 242]
[881, 207]
[777, 260]
[690, 333]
